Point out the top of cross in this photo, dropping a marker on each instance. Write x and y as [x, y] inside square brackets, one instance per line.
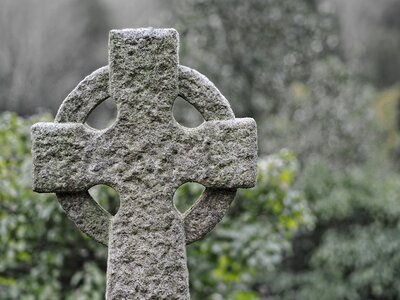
[144, 74]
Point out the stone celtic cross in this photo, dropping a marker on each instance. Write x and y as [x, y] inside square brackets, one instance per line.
[145, 155]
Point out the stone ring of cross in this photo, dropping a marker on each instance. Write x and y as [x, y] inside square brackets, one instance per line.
[145, 155]
[196, 89]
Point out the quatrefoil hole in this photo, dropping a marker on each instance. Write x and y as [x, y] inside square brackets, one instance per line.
[186, 195]
[186, 114]
[106, 197]
[103, 116]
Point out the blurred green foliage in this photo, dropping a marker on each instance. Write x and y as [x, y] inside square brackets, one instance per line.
[44, 256]
[353, 251]
[387, 107]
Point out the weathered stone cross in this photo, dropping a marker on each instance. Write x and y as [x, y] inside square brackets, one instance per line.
[145, 155]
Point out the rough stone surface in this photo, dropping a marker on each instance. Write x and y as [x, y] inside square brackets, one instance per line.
[145, 155]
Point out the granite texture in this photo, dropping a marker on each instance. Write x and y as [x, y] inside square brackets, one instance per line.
[145, 155]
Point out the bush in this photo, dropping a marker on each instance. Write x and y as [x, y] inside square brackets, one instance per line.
[42, 254]
[353, 251]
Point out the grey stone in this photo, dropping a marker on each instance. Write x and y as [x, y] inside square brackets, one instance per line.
[145, 155]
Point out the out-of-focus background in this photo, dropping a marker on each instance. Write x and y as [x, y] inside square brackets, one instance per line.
[321, 78]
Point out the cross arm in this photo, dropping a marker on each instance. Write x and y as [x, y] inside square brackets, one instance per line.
[61, 157]
[220, 154]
